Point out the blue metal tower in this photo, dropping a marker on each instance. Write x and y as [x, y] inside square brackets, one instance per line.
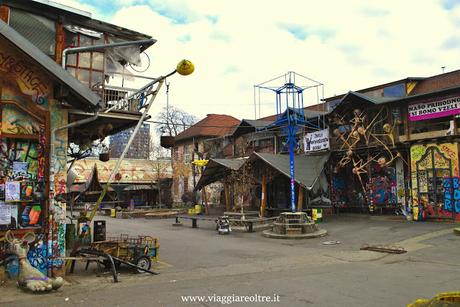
[290, 115]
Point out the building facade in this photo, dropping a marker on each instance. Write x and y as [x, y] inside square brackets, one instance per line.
[140, 147]
[398, 142]
[49, 99]
[196, 143]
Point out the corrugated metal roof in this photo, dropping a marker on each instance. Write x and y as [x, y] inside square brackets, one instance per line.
[310, 112]
[249, 125]
[307, 168]
[83, 93]
[372, 99]
[256, 123]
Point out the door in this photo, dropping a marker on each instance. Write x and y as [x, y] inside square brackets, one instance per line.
[433, 169]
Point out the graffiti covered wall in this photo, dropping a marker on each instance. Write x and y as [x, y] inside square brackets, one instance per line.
[437, 164]
[26, 94]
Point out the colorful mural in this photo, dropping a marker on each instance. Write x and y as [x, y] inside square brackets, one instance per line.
[382, 189]
[451, 194]
[437, 163]
[27, 77]
[27, 87]
[130, 171]
[19, 150]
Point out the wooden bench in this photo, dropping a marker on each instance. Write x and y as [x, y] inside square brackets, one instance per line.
[194, 219]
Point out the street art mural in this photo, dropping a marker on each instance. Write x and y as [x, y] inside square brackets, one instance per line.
[58, 185]
[451, 194]
[38, 256]
[382, 188]
[376, 182]
[19, 150]
[24, 74]
[130, 171]
[339, 191]
[26, 98]
[434, 168]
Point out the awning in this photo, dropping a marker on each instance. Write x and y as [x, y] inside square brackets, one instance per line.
[140, 187]
[308, 168]
[216, 169]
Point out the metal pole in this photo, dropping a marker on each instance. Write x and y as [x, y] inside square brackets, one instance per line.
[291, 165]
[103, 47]
[131, 139]
[115, 169]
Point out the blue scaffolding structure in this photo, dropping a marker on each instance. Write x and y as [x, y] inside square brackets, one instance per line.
[289, 97]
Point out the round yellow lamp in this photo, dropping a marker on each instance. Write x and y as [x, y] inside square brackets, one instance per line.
[185, 67]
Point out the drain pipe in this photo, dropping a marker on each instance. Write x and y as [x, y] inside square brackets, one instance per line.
[103, 47]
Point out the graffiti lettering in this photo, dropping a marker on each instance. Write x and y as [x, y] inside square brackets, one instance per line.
[37, 257]
[27, 79]
[452, 194]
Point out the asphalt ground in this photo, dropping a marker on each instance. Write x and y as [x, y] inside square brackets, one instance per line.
[227, 268]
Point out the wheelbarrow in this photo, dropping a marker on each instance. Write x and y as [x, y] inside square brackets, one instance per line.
[136, 252]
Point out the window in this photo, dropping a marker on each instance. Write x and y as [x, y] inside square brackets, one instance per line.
[38, 30]
[187, 155]
[87, 67]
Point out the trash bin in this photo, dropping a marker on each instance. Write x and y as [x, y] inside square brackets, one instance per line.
[99, 233]
[70, 235]
[317, 215]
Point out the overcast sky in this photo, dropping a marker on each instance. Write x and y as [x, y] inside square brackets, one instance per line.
[235, 44]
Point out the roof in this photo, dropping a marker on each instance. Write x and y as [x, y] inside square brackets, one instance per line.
[131, 170]
[217, 168]
[375, 87]
[437, 82]
[365, 98]
[310, 112]
[57, 11]
[140, 187]
[213, 125]
[412, 97]
[250, 125]
[86, 98]
[424, 84]
[307, 167]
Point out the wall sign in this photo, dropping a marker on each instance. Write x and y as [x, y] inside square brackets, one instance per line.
[318, 140]
[434, 109]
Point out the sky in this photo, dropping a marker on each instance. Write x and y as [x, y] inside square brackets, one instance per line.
[236, 44]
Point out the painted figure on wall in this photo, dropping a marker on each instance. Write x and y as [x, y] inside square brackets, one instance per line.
[434, 168]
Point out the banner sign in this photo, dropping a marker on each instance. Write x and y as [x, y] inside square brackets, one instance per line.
[434, 109]
[315, 141]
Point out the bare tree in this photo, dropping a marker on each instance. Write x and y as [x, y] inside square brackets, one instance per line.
[173, 121]
[156, 151]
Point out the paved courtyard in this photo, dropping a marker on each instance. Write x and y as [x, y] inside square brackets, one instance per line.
[199, 262]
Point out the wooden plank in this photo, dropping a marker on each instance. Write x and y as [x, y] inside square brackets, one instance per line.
[300, 199]
[263, 201]
[227, 197]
